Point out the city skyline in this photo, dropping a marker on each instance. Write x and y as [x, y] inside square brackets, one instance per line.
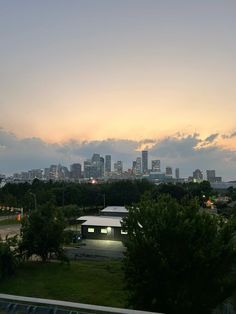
[119, 77]
[105, 166]
[186, 152]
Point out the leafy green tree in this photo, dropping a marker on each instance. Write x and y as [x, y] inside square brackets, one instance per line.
[231, 192]
[8, 258]
[42, 233]
[178, 260]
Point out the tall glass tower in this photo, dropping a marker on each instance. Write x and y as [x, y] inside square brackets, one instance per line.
[144, 161]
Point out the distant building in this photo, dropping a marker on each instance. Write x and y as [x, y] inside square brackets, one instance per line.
[53, 173]
[134, 166]
[197, 175]
[169, 171]
[118, 167]
[211, 174]
[177, 173]
[101, 168]
[75, 171]
[36, 174]
[156, 165]
[107, 163]
[90, 170]
[144, 161]
[24, 175]
[62, 173]
[138, 166]
[218, 179]
[96, 165]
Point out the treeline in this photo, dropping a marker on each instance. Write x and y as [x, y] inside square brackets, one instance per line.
[119, 193]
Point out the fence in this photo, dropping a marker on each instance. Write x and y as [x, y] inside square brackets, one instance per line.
[13, 304]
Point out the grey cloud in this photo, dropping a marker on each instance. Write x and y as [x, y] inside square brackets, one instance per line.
[179, 150]
[211, 138]
[225, 136]
[176, 147]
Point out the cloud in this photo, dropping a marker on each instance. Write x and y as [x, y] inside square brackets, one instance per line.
[185, 151]
[228, 136]
[211, 138]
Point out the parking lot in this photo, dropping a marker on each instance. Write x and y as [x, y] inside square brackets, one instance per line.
[96, 249]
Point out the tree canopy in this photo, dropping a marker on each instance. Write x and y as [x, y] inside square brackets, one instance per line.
[91, 195]
[178, 260]
[8, 257]
[42, 232]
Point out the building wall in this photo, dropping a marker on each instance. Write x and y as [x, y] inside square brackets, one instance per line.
[114, 234]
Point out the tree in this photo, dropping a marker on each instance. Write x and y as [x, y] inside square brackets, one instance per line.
[42, 233]
[178, 260]
[8, 257]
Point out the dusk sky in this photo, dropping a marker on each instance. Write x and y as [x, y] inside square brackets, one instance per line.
[117, 76]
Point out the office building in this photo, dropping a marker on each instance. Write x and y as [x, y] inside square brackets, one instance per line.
[197, 175]
[156, 165]
[35, 174]
[118, 167]
[107, 163]
[169, 171]
[90, 170]
[75, 171]
[144, 161]
[138, 166]
[101, 168]
[177, 173]
[211, 174]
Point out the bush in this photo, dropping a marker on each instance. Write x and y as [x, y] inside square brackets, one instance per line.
[8, 259]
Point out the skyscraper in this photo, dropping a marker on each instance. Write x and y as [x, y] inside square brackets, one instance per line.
[96, 164]
[75, 170]
[211, 174]
[108, 163]
[177, 173]
[118, 167]
[101, 167]
[138, 166]
[197, 175]
[169, 171]
[144, 161]
[156, 165]
[90, 169]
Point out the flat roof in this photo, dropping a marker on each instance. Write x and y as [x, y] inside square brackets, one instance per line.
[115, 209]
[102, 221]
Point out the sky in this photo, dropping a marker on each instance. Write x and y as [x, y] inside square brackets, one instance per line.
[108, 76]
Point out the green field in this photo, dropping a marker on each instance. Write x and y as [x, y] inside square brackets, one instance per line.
[10, 221]
[91, 282]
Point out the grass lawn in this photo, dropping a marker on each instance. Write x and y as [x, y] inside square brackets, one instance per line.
[92, 282]
[9, 221]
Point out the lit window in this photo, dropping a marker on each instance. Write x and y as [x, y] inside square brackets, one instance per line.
[123, 232]
[104, 231]
[91, 230]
